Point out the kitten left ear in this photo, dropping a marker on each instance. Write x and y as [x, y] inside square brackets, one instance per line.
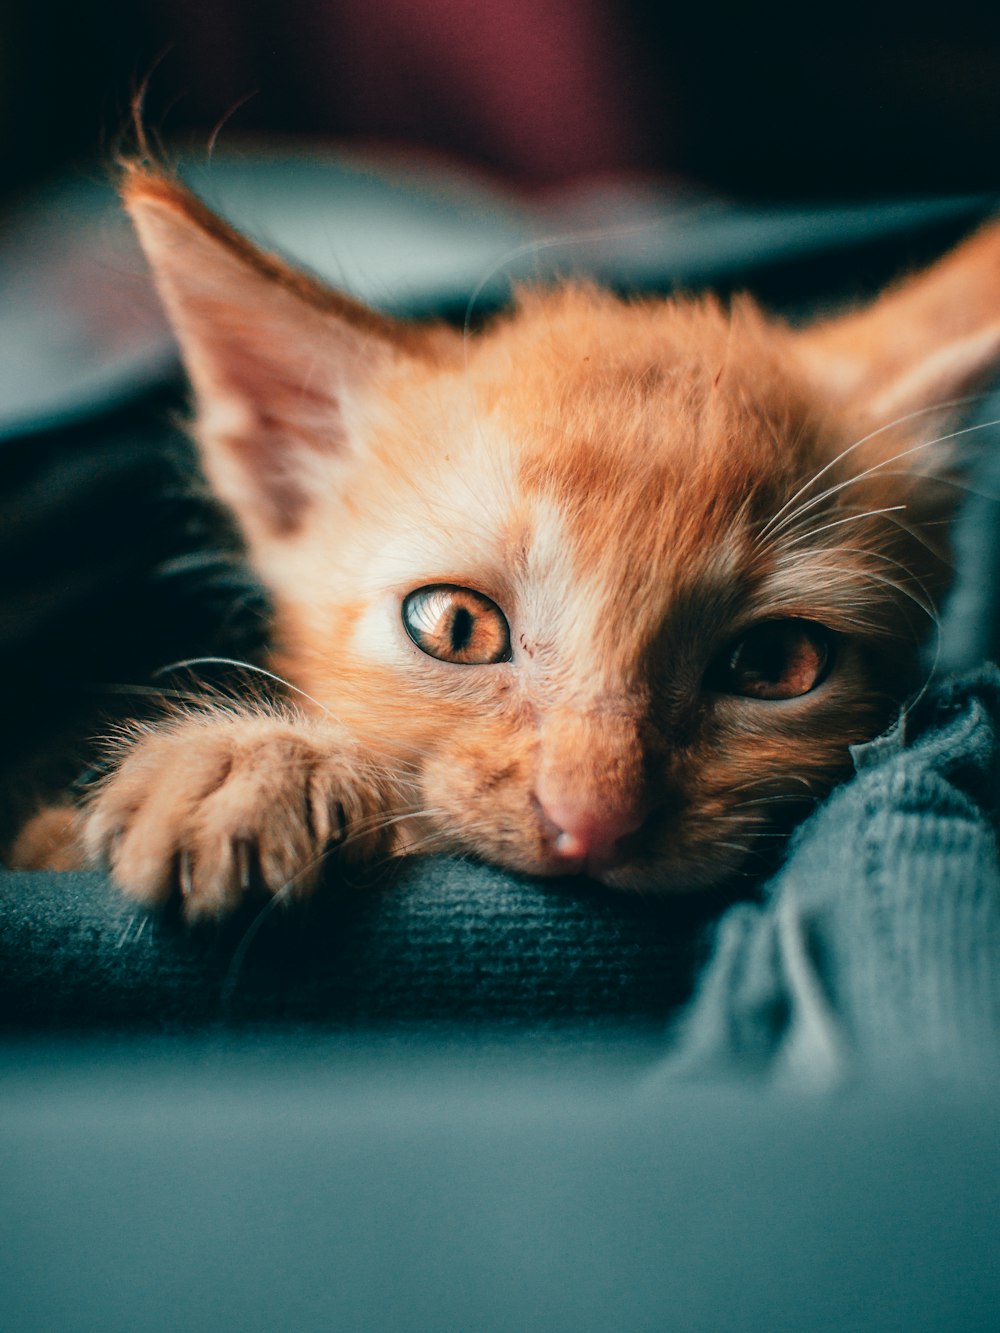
[276, 358]
[930, 340]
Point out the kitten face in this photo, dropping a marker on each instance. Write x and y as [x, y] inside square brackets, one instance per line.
[620, 529]
[610, 589]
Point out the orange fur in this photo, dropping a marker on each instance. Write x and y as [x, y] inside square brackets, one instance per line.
[635, 486]
[49, 840]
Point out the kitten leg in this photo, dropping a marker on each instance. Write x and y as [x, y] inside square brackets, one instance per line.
[219, 806]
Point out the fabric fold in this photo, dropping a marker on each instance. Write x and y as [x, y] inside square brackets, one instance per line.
[876, 949]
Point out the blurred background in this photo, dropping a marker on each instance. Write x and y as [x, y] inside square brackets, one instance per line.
[774, 102]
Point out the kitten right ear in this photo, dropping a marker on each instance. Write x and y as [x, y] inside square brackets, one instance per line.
[926, 342]
[276, 358]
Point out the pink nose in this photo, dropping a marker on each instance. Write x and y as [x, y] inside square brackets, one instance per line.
[585, 836]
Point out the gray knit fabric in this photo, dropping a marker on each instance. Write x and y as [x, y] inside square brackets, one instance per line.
[436, 941]
[877, 948]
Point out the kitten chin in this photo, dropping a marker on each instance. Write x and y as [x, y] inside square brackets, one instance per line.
[610, 587]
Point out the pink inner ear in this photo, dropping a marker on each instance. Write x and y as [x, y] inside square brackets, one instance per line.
[931, 339]
[280, 496]
[265, 404]
[270, 353]
[283, 391]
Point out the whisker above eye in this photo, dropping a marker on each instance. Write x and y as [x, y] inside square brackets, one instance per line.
[886, 559]
[943, 406]
[772, 528]
[839, 522]
[916, 534]
[894, 585]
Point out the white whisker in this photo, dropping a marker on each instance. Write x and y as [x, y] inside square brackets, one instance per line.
[143, 691]
[775, 528]
[839, 522]
[945, 406]
[870, 574]
[244, 666]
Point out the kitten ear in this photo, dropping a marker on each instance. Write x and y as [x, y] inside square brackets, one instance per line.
[275, 357]
[930, 340]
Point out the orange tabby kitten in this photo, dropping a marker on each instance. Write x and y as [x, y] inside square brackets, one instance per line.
[609, 588]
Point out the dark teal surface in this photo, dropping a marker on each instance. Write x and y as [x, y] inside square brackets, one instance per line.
[506, 1190]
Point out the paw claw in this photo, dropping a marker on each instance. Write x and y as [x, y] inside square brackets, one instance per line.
[185, 874]
[340, 832]
[214, 809]
[243, 858]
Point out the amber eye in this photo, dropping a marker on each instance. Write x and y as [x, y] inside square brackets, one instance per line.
[780, 659]
[456, 625]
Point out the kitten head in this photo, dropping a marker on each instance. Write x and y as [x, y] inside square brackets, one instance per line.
[611, 587]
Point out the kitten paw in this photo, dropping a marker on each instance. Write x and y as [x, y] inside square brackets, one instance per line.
[212, 810]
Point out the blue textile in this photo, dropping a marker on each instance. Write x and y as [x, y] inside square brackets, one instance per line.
[877, 948]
